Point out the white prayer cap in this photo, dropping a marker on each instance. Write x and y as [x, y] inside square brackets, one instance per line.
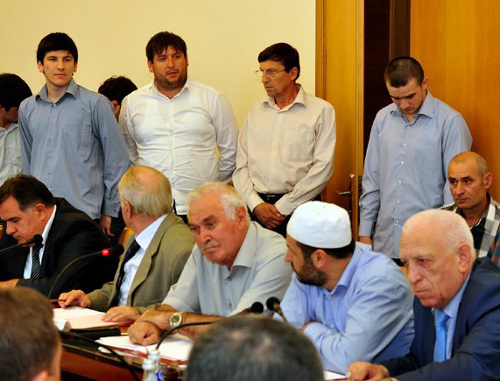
[321, 225]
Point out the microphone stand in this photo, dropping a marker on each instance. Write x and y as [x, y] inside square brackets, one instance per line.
[112, 251]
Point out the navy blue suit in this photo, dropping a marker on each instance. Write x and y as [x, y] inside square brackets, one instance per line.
[476, 341]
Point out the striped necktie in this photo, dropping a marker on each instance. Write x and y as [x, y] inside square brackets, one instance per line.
[36, 268]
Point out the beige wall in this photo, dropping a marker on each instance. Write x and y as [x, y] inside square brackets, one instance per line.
[223, 37]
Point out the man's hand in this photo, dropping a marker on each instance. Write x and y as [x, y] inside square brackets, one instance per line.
[366, 240]
[268, 215]
[159, 318]
[105, 224]
[365, 371]
[9, 283]
[144, 333]
[74, 298]
[121, 314]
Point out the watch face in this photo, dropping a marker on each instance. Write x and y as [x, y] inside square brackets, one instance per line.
[175, 319]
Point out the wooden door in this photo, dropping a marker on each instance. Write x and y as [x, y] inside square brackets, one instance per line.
[339, 80]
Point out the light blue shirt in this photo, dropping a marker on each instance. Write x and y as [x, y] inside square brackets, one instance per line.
[406, 168]
[75, 147]
[259, 272]
[368, 316]
[451, 310]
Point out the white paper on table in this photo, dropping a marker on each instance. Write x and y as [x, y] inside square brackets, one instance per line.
[329, 375]
[79, 318]
[174, 347]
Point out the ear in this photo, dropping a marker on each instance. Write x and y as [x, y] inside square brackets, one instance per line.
[43, 375]
[75, 67]
[425, 83]
[318, 258]
[40, 66]
[294, 72]
[465, 255]
[487, 180]
[150, 66]
[241, 217]
[40, 210]
[187, 61]
[126, 209]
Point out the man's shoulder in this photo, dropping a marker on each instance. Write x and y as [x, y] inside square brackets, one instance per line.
[175, 230]
[483, 289]
[316, 102]
[444, 109]
[67, 216]
[374, 267]
[451, 207]
[202, 87]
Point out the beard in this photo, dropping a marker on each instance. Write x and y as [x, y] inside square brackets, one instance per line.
[310, 276]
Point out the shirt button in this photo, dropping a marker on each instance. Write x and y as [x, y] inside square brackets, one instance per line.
[399, 182]
[402, 163]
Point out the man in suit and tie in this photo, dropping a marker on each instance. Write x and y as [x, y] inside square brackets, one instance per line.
[154, 258]
[457, 306]
[28, 209]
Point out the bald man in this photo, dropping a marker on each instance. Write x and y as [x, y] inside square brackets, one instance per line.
[470, 181]
[456, 308]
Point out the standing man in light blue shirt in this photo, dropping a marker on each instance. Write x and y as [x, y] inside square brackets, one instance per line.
[406, 167]
[70, 139]
[351, 302]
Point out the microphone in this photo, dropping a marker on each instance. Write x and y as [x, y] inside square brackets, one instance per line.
[256, 308]
[72, 335]
[273, 304]
[164, 336]
[37, 240]
[110, 252]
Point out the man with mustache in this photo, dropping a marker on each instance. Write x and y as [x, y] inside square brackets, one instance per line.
[470, 181]
[352, 303]
[175, 124]
[234, 264]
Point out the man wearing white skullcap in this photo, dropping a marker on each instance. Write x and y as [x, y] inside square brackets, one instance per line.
[351, 302]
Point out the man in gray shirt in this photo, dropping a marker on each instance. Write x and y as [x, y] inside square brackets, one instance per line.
[70, 139]
[234, 264]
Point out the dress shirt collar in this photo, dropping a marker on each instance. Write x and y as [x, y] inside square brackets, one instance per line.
[426, 109]
[300, 98]
[349, 272]
[487, 217]
[451, 308]
[71, 89]
[154, 89]
[145, 237]
[246, 254]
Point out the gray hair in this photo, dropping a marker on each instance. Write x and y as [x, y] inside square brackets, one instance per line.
[229, 197]
[451, 227]
[147, 190]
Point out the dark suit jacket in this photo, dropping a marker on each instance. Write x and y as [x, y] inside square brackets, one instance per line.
[476, 341]
[159, 269]
[71, 235]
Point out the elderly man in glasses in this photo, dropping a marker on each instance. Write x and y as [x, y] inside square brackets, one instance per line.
[286, 146]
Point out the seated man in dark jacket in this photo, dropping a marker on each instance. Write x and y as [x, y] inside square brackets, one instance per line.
[456, 308]
[28, 208]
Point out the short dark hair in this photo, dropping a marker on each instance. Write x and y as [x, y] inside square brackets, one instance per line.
[27, 190]
[29, 339]
[117, 88]
[401, 70]
[161, 41]
[243, 348]
[13, 90]
[339, 253]
[284, 53]
[56, 41]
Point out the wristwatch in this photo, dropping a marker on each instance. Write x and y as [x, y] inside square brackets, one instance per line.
[175, 319]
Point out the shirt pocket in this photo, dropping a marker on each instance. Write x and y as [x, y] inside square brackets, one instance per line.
[77, 140]
[298, 144]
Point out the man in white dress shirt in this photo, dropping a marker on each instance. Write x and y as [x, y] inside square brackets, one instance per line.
[175, 124]
[286, 146]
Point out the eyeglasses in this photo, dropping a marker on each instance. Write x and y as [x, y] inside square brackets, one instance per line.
[269, 72]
